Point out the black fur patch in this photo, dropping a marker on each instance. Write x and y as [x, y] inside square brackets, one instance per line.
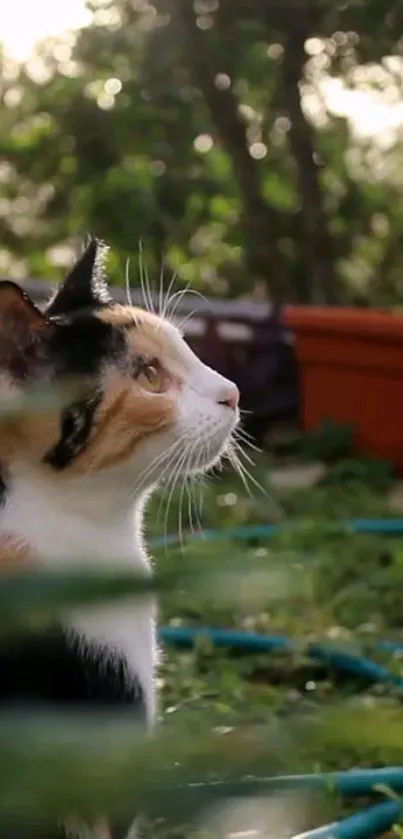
[54, 669]
[78, 348]
[79, 345]
[86, 285]
[76, 426]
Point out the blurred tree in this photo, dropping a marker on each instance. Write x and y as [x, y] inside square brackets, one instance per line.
[201, 128]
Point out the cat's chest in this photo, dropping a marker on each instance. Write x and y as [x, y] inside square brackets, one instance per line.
[58, 539]
[60, 535]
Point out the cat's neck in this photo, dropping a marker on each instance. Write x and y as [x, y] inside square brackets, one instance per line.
[93, 518]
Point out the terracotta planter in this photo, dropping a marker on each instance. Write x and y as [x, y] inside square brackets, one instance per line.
[351, 369]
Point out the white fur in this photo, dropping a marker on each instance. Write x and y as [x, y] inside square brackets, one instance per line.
[84, 524]
[97, 519]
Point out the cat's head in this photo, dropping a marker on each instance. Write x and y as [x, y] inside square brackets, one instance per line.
[146, 403]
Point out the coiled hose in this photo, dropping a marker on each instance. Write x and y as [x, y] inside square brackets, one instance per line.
[374, 820]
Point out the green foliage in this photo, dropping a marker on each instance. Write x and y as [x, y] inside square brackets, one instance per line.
[183, 128]
[330, 441]
[78, 765]
[372, 471]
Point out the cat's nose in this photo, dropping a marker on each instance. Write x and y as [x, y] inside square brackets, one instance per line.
[229, 397]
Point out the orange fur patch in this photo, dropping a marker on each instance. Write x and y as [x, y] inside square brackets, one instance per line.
[146, 335]
[126, 414]
[118, 315]
[28, 436]
[32, 432]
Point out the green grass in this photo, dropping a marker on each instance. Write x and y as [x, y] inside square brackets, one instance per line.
[318, 584]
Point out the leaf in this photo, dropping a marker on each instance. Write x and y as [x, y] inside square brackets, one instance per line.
[27, 597]
[52, 765]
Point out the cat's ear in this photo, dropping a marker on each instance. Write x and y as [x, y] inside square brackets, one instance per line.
[86, 285]
[21, 324]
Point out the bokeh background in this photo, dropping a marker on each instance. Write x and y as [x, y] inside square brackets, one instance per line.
[254, 146]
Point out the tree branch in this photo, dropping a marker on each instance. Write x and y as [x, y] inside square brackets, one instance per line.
[260, 221]
[316, 245]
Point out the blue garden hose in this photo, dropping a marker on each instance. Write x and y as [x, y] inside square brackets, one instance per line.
[375, 527]
[185, 637]
[351, 783]
[342, 660]
[374, 820]
[366, 824]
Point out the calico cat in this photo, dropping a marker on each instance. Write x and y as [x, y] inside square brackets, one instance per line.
[74, 481]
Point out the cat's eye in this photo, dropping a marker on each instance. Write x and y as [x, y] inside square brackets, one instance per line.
[150, 377]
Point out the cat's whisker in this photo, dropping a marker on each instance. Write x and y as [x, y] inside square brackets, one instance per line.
[242, 470]
[199, 486]
[246, 444]
[167, 485]
[176, 475]
[164, 489]
[241, 452]
[172, 462]
[245, 434]
[240, 444]
[180, 520]
[246, 439]
[161, 289]
[187, 317]
[179, 467]
[141, 278]
[127, 283]
[189, 486]
[198, 482]
[202, 482]
[155, 464]
[148, 287]
[236, 466]
[181, 326]
[186, 467]
[176, 467]
[179, 295]
[168, 459]
[146, 474]
[147, 301]
[184, 487]
[168, 293]
[180, 503]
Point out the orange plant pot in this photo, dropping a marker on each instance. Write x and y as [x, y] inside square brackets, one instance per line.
[351, 370]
